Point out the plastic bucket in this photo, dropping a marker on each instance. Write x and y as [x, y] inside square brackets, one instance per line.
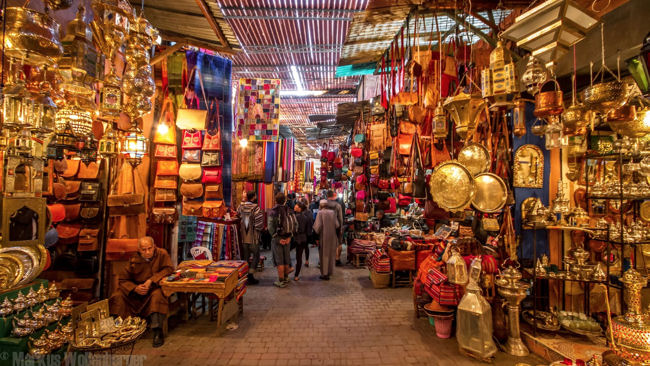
[443, 325]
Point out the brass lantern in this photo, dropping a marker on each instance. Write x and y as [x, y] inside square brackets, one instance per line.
[440, 124]
[534, 75]
[499, 79]
[79, 119]
[88, 152]
[136, 145]
[456, 268]
[464, 109]
[15, 107]
[109, 145]
[111, 95]
[519, 118]
[44, 121]
[66, 139]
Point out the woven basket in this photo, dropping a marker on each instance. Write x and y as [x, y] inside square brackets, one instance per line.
[379, 280]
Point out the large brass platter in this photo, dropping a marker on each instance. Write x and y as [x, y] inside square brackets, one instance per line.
[491, 193]
[452, 186]
[475, 157]
[30, 259]
[32, 36]
[644, 211]
[11, 271]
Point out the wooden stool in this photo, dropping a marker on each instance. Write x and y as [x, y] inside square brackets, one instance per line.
[359, 260]
[402, 281]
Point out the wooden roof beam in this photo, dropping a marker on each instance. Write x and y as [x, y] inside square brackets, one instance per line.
[213, 23]
[180, 38]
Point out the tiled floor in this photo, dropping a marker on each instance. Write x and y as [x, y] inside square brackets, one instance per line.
[344, 321]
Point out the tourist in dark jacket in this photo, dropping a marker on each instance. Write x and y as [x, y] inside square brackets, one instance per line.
[305, 228]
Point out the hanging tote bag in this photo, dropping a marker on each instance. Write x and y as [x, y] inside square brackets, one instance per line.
[122, 200]
[166, 131]
[192, 119]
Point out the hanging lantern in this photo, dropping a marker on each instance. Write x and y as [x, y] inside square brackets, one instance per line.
[534, 75]
[65, 140]
[554, 136]
[111, 95]
[79, 119]
[22, 144]
[16, 106]
[499, 79]
[88, 152]
[456, 268]
[464, 109]
[136, 145]
[109, 145]
[519, 118]
[44, 121]
[639, 66]
[474, 319]
[80, 61]
[440, 124]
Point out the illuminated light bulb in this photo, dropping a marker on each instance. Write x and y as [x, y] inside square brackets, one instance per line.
[163, 129]
[243, 143]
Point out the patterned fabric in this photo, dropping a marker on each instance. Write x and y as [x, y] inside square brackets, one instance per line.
[378, 261]
[258, 109]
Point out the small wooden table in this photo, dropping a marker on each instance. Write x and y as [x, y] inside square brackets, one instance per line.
[219, 289]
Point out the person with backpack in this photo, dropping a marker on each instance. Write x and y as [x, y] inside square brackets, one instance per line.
[337, 206]
[327, 225]
[282, 225]
[305, 228]
[250, 228]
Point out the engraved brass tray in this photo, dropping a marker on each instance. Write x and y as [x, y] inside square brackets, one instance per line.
[475, 157]
[11, 271]
[452, 186]
[644, 211]
[30, 259]
[491, 193]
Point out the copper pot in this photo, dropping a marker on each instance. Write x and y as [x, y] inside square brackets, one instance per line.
[627, 122]
[549, 102]
[575, 119]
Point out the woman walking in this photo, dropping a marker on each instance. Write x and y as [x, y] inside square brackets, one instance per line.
[326, 226]
[305, 224]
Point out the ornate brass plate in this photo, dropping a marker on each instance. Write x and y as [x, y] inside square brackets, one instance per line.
[11, 271]
[644, 211]
[30, 259]
[491, 192]
[475, 157]
[529, 167]
[452, 186]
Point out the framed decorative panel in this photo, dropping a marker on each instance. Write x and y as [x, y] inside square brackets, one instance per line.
[258, 109]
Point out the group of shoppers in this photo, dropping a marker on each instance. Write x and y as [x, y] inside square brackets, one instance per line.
[291, 223]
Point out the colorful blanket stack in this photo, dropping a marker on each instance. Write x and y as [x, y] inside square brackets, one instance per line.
[242, 268]
[359, 246]
[378, 261]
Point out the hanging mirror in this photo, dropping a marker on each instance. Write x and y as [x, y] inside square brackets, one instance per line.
[529, 167]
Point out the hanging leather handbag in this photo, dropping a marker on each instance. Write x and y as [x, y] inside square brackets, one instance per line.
[191, 155]
[212, 142]
[88, 240]
[90, 212]
[211, 158]
[165, 181]
[186, 118]
[214, 209]
[120, 249]
[167, 167]
[378, 137]
[165, 151]
[191, 190]
[211, 176]
[213, 192]
[90, 191]
[192, 139]
[126, 203]
[407, 188]
[404, 200]
[356, 151]
[164, 195]
[59, 190]
[72, 189]
[360, 195]
[190, 172]
[417, 113]
[90, 171]
[72, 211]
[68, 233]
[164, 215]
[404, 143]
[166, 131]
[192, 208]
[393, 205]
[57, 212]
[60, 165]
[72, 167]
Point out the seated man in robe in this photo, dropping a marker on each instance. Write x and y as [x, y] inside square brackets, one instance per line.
[138, 292]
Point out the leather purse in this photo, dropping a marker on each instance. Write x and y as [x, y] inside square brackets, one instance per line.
[90, 171]
[90, 212]
[192, 208]
[213, 192]
[383, 184]
[211, 158]
[192, 140]
[191, 155]
[407, 188]
[72, 189]
[120, 249]
[88, 240]
[57, 212]
[167, 167]
[58, 188]
[191, 190]
[214, 209]
[186, 118]
[72, 168]
[165, 181]
[392, 202]
[360, 195]
[166, 135]
[72, 211]
[404, 200]
[68, 233]
[90, 191]
[126, 203]
[417, 113]
[212, 142]
[490, 224]
[211, 176]
[378, 136]
[165, 151]
[164, 215]
[190, 172]
[407, 128]
[404, 143]
[60, 165]
[164, 195]
[356, 152]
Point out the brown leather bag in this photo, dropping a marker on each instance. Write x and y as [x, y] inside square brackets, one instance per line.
[72, 189]
[72, 167]
[72, 211]
[165, 181]
[213, 192]
[60, 165]
[127, 202]
[192, 190]
[59, 190]
[417, 113]
[90, 171]
[88, 240]
[89, 212]
[402, 260]
[164, 215]
[68, 233]
[192, 208]
[120, 249]
[167, 167]
[214, 209]
[165, 195]
[57, 212]
[190, 172]
[404, 144]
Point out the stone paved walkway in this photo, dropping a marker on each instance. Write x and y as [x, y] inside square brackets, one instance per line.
[344, 321]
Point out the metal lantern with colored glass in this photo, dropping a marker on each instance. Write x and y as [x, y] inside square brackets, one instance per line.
[639, 66]
[554, 136]
[440, 124]
[65, 140]
[109, 144]
[111, 95]
[474, 319]
[136, 145]
[519, 118]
